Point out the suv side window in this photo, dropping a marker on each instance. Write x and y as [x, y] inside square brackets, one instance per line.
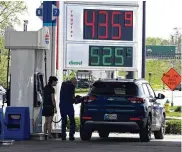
[145, 89]
[152, 94]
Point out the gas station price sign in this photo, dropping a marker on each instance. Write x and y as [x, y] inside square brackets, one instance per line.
[100, 36]
[108, 25]
[114, 56]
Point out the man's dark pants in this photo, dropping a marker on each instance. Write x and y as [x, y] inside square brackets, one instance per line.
[67, 110]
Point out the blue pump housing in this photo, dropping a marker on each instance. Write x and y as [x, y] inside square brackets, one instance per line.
[17, 123]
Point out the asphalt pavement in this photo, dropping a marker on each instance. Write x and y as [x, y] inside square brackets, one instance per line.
[115, 143]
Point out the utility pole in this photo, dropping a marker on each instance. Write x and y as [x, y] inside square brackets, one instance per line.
[177, 39]
[178, 43]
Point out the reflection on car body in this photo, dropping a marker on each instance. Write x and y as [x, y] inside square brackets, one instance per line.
[2, 90]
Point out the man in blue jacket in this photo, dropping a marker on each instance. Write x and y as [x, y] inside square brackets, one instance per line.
[67, 99]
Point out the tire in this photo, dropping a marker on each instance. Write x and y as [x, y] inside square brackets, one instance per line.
[145, 133]
[85, 135]
[103, 134]
[160, 134]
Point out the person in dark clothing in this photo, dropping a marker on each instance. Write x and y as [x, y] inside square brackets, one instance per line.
[49, 104]
[67, 99]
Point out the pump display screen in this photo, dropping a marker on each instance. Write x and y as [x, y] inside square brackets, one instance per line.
[110, 56]
[108, 24]
[101, 36]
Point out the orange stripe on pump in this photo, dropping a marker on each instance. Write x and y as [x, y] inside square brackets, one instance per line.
[87, 118]
[135, 118]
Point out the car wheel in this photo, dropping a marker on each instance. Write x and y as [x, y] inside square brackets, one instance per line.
[145, 133]
[160, 134]
[85, 134]
[103, 134]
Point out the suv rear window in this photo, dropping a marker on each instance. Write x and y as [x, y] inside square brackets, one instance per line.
[114, 89]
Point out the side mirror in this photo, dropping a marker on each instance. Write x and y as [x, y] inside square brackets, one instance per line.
[160, 96]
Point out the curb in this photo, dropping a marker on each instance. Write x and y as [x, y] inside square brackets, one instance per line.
[6, 142]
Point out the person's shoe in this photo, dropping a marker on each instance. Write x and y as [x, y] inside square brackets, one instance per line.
[45, 136]
[63, 138]
[72, 138]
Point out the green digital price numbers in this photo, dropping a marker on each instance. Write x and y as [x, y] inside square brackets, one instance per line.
[113, 56]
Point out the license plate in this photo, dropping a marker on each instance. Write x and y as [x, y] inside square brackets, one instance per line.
[110, 117]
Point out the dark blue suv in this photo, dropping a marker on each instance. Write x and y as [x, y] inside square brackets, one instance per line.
[122, 105]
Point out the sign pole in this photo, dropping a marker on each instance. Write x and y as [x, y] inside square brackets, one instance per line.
[172, 103]
[143, 40]
[172, 96]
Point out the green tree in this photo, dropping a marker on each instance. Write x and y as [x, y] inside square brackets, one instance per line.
[3, 70]
[156, 41]
[70, 75]
[9, 16]
[9, 13]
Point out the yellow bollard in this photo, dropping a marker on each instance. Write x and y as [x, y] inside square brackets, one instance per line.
[167, 106]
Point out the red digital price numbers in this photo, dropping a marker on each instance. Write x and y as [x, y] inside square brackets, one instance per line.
[108, 25]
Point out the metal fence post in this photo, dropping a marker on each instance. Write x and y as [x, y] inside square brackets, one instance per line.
[150, 77]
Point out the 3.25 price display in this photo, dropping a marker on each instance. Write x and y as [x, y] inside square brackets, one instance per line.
[113, 56]
[108, 25]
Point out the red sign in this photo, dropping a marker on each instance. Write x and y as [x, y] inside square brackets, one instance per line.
[172, 79]
[47, 38]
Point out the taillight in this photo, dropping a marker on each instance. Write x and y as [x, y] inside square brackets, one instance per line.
[89, 98]
[86, 118]
[136, 100]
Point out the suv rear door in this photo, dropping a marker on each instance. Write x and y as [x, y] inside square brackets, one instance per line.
[111, 101]
[157, 110]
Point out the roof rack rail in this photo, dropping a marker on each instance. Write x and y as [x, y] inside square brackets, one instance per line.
[99, 79]
[139, 79]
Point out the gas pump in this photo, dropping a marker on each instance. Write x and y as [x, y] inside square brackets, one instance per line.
[27, 71]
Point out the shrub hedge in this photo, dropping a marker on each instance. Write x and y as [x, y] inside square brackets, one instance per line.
[172, 126]
[178, 109]
[77, 121]
[81, 90]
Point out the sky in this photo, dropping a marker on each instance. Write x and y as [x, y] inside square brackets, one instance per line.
[161, 17]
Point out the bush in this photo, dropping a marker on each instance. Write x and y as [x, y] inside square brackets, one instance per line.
[173, 126]
[178, 109]
[81, 90]
[77, 121]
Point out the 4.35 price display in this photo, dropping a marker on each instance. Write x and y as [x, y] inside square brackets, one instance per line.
[108, 24]
[113, 56]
